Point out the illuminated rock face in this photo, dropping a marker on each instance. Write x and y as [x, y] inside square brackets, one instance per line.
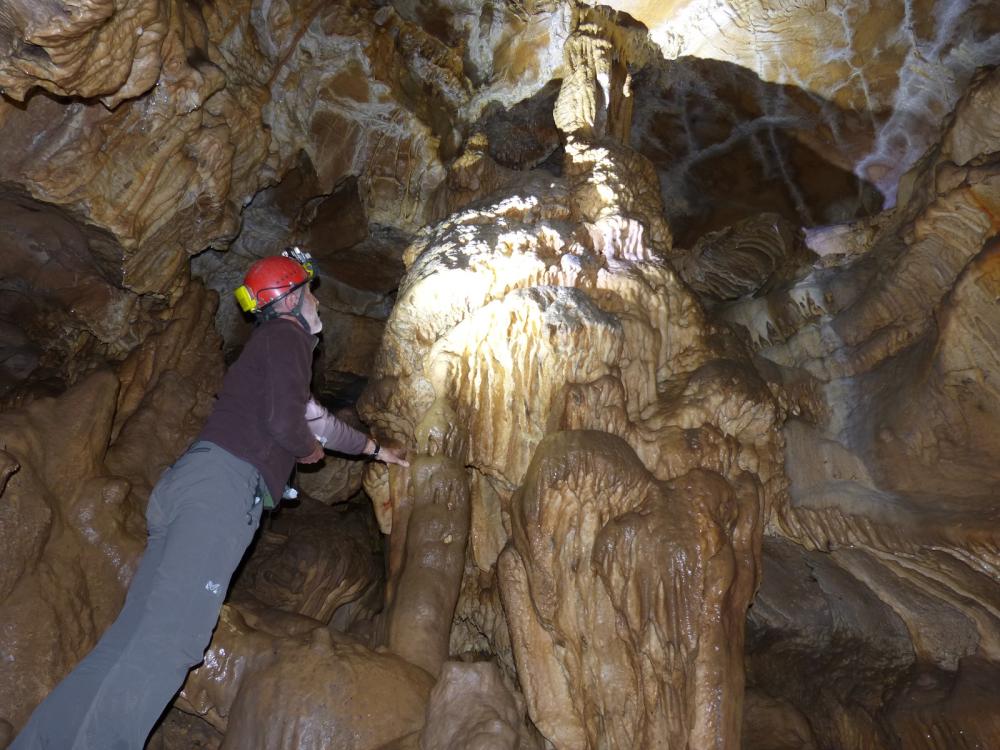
[625, 297]
[551, 372]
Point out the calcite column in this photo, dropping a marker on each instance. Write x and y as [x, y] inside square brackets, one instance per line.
[560, 391]
[428, 555]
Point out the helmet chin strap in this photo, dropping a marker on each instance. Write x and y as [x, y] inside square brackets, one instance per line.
[271, 311]
[296, 312]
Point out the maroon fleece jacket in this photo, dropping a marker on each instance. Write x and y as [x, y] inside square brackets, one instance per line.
[260, 414]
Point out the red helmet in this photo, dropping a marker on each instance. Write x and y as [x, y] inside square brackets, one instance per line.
[271, 278]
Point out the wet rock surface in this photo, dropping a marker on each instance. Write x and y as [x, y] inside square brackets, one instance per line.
[312, 561]
[472, 707]
[685, 313]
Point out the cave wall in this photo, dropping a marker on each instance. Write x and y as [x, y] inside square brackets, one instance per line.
[894, 69]
[892, 466]
[78, 467]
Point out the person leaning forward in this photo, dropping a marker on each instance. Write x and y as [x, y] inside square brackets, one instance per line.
[201, 516]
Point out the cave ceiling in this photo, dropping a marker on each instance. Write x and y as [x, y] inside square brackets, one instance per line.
[685, 310]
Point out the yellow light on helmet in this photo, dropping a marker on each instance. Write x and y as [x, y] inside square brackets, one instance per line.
[246, 299]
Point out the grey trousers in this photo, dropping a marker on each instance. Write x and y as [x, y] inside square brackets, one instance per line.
[202, 514]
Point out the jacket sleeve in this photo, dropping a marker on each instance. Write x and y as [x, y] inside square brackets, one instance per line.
[286, 390]
[333, 433]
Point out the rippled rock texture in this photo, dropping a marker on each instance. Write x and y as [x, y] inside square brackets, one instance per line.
[686, 313]
[893, 468]
[205, 106]
[576, 417]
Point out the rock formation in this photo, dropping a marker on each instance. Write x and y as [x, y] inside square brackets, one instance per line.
[866, 85]
[894, 476]
[547, 362]
[286, 681]
[77, 469]
[686, 314]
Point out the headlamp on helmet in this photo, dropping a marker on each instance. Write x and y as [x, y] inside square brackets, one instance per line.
[301, 257]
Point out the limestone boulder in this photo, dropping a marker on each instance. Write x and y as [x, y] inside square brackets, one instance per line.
[312, 561]
[471, 707]
[286, 682]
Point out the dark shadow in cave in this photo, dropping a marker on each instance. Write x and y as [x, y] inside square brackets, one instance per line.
[62, 314]
[359, 269]
[524, 136]
[728, 146]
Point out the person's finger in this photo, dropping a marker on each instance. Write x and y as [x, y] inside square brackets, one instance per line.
[390, 456]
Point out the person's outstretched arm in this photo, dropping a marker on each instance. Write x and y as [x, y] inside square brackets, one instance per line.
[337, 435]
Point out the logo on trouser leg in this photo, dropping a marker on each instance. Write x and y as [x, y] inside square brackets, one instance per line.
[213, 587]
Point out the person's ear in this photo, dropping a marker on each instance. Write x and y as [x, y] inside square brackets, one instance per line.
[286, 303]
